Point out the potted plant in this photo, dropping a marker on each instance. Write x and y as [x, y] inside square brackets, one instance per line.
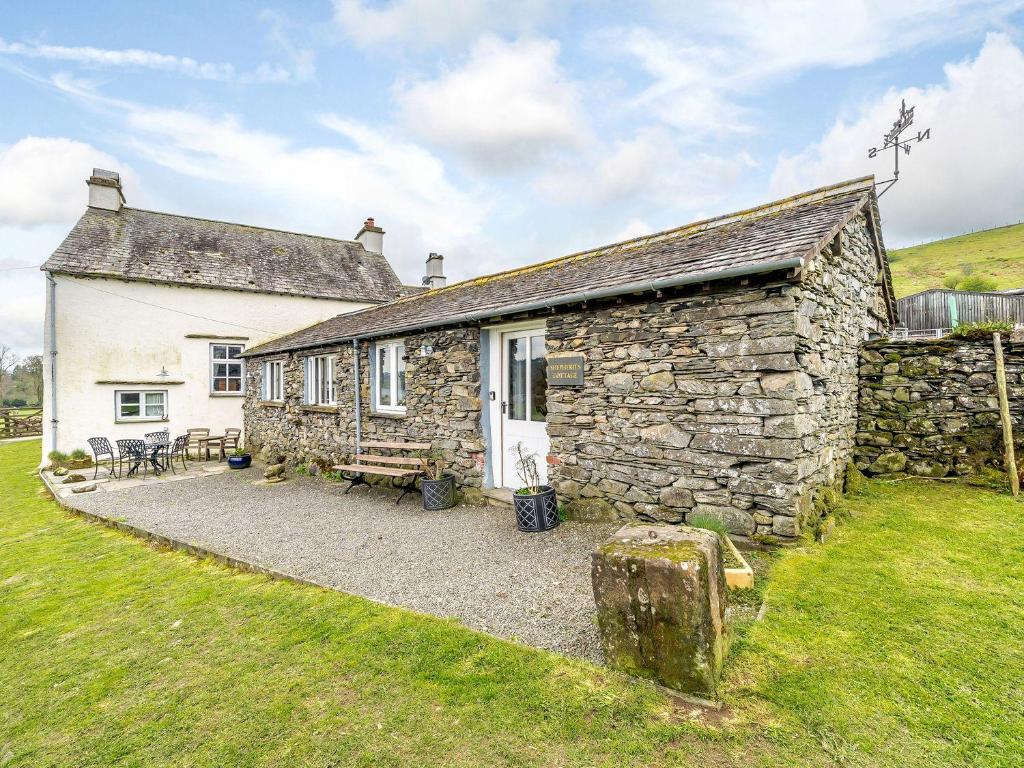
[535, 504]
[239, 459]
[438, 486]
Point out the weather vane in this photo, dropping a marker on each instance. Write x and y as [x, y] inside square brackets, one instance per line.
[892, 140]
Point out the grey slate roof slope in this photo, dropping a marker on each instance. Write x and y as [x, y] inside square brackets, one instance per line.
[779, 235]
[134, 244]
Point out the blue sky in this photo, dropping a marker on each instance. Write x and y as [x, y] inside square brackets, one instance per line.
[495, 133]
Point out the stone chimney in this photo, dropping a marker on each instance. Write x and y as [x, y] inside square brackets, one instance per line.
[371, 236]
[105, 190]
[435, 271]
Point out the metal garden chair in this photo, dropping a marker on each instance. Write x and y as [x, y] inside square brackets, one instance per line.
[101, 447]
[178, 450]
[134, 452]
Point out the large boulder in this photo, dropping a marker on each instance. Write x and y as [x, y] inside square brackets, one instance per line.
[661, 597]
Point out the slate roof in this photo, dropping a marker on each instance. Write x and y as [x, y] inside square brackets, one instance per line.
[134, 244]
[778, 235]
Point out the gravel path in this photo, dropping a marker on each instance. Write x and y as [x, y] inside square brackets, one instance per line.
[468, 562]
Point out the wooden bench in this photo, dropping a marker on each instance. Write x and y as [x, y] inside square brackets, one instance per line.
[398, 467]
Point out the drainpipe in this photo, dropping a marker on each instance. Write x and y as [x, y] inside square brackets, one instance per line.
[53, 360]
[355, 384]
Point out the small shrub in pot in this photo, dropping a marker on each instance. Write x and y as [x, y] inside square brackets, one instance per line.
[536, 505]
[239, 459]
[438, 486]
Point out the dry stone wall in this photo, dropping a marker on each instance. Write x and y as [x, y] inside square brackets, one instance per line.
[931, 408]
[839, 306]
[735, 402]
[687, 408]
[442, 406]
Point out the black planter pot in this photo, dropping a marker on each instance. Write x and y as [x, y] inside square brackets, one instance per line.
[536, 511]
[439, 494]
[239, 462]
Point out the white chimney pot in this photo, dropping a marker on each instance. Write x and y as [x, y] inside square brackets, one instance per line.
[105, 190]
[371, 236]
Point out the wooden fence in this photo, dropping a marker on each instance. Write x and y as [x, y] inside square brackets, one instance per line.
[937, 310]
[20, 422]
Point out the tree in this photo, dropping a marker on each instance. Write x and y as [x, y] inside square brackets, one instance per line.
[30, 377]
[8, 359]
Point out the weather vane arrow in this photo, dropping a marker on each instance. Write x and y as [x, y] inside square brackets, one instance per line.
[893, 140]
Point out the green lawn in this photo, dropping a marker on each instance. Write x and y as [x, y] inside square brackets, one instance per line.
[996, 254]
[896, 644]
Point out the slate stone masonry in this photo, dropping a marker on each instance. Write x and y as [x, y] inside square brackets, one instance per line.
[735, 400]
[442, 406]
[931, 408]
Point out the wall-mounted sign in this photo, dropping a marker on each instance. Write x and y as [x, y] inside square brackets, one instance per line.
[565, 371]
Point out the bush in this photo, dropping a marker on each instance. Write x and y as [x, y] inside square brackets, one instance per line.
[950, 281]
[976, 283]
[57, 457]
[15, 402]
[79, 454]
[981, 331]
[708, 523]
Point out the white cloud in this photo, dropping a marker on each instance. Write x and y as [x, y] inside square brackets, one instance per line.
[328, 188]
[508, 106]
[705, 58]
[648, 168]
[42, 180]
[427, 23]
[137, 58]
[632, 229]
[23, 291]
[968, 175]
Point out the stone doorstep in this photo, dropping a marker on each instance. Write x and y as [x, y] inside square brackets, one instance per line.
[498, 497]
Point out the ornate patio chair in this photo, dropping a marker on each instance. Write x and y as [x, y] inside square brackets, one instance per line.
[178, 450]
[134, 452]
[100, 448]
[194, 435]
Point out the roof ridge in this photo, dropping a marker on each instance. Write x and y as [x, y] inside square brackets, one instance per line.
[242, 224]
[850, 185]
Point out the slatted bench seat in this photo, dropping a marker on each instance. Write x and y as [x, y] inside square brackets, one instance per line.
[398, 467]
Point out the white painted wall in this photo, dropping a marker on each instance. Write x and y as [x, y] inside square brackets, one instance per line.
[109, 330]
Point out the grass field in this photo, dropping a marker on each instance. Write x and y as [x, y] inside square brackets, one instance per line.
[896, 644]
[996, 254]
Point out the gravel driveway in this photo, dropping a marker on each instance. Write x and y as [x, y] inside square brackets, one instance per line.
[468, 562]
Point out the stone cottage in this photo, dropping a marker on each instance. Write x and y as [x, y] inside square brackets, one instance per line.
[705, 370]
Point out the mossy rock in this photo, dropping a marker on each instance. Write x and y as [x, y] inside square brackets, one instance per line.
[74, 478]
[592, 510]
[854, 479]
[661, 596]
[887, 463]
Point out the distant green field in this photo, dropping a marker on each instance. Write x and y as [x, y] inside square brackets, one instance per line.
[996, 254]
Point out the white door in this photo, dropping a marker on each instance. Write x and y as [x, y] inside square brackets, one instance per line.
[523, 402]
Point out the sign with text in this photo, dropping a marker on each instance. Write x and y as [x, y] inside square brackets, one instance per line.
[565, 371]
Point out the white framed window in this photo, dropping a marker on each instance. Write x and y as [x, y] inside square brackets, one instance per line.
[273, 380]
[140, 405]
[389, 372]
[320, 380]
[227, 369]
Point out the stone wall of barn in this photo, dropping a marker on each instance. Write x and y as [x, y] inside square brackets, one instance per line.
[930, 407]
[735, 403]
[686, 409]
[442, 406]
[840, 304]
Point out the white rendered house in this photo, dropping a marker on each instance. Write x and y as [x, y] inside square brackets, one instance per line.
[147, 313]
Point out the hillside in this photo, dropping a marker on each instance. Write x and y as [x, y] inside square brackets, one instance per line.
[995, 254]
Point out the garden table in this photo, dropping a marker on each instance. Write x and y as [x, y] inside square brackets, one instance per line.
[154, 449]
